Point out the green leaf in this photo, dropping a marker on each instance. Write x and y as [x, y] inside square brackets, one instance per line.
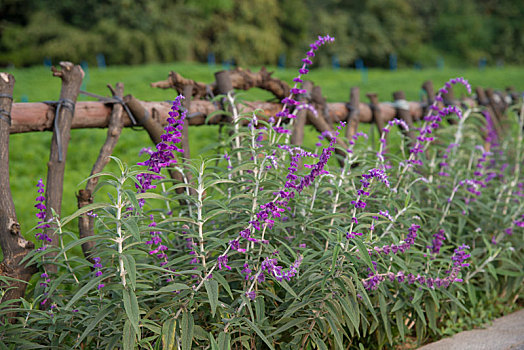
[131, 307]
[168, 334]
[178, 219]
[224, 341]
[293, 323]
[431, 314]
[260, 308]
[418, 295]
[363, 252]
[131, 195]
[80, 241]
[472, 294]
[128, 337]
[288, 288]
[400, 323]
[334, 330]
[82, 291]
[384, 314]
[130, 266]
[420, 313]
[172, 287]
[186, 328]
[212, 294]
[132, 227]
[151, 195]
[84, 210]
[259, 332]
[350, 312]
[224, 283]
[213, 342]
[398, 305]
[336, 251]
[99, 317]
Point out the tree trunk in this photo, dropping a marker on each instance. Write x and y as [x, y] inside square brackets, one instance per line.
[14, 246]
[71, 76]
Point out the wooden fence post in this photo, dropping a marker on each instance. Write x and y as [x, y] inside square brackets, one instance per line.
[14, 246]
[353, 112]
[497, 107]
[430, 91]
[84, 197]
[377, 113]
[224, 86]
[402, 108]
[71, 76]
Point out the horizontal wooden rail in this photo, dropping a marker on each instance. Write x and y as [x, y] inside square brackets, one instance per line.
[28, 117]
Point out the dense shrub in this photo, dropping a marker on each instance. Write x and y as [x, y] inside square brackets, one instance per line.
[275, 246]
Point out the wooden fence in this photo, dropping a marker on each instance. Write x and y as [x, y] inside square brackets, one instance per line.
[120, 111]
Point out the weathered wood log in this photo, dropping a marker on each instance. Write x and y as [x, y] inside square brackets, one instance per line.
[28, 117]
[224, 85]
[242, 79]
[71, 76]
[14, 246]
[379, 119]
[430, 91]
[354, 112]
[403, 112]
[496, 104]
[84, 197]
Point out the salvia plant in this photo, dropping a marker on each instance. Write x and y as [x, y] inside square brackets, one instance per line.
[275, 246]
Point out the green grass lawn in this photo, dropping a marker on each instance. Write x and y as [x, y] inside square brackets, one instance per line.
[29, 152]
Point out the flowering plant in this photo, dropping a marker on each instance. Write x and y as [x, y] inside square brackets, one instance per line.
[279, 247]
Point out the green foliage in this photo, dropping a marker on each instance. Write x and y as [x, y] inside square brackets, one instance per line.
[258, 32]
[190, 303]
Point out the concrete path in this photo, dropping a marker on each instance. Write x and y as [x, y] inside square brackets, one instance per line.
[505, 333]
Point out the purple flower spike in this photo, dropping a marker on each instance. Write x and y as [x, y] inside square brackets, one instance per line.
[251, 295]
[42, 225]
[295, 90]
[97, 265]
[222, 262]
[436, 244]
[164, 156]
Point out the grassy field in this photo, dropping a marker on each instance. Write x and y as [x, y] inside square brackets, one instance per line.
[30, 152]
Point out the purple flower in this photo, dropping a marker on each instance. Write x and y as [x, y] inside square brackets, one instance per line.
[42, 235]
[393, 248]
[164, 156]
[432, 120]
[222, 262]
[155, 243]
[436, 244]
[251, 295]
[246, 271]
[97, 265]
[385, 213]
[302, 71]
